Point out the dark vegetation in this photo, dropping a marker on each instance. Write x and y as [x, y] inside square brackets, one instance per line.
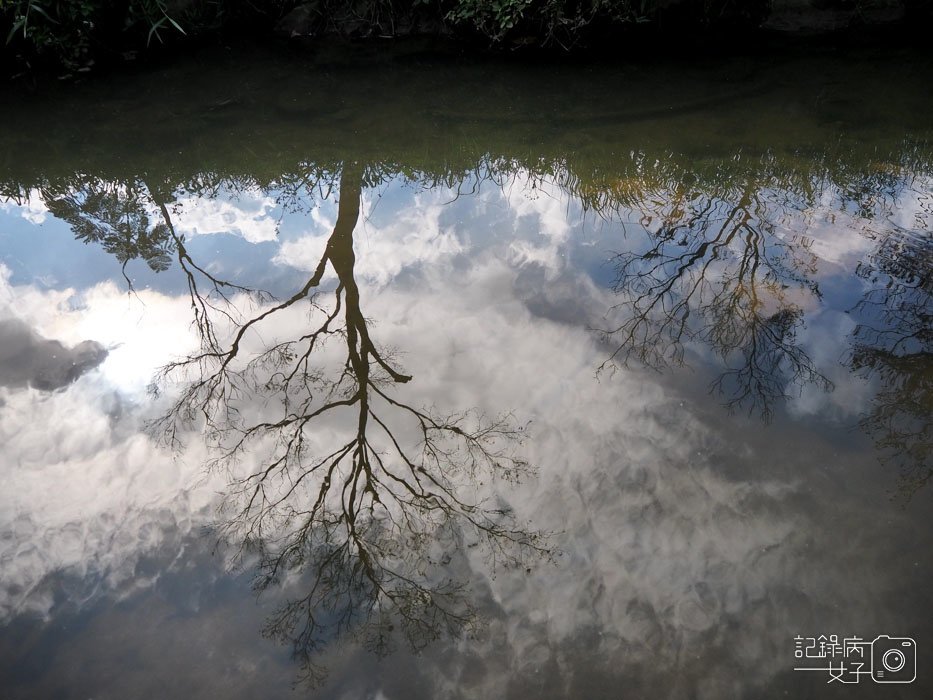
[68, 36]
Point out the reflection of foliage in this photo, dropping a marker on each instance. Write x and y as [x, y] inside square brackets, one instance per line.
[714, 272]
[897, 313]
[114, 216]
[894, 342]
[369, 514]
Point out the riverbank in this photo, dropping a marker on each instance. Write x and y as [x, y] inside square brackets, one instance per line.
[66, 40]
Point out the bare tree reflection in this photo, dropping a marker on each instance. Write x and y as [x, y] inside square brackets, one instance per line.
[714, 272]
[367, 516]
[894, 344]
[362, 529]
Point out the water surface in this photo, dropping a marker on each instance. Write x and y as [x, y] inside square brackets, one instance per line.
[450, 379]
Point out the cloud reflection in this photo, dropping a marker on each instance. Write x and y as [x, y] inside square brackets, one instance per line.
[694, 549]
[28, 359]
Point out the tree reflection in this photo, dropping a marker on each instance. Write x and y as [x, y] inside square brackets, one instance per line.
[358, 501]
[714, 272]
[114, 216]
[366, 518]
[894, 344]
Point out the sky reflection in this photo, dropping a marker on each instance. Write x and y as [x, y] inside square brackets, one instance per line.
[694, 534]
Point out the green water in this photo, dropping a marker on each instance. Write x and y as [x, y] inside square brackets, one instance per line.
[381, 375]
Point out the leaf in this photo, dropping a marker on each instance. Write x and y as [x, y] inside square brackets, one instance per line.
[155, 30]
[21, 22]
[38, 8]
[176, 25]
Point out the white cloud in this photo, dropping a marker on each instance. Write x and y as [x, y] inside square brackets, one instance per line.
[552, 215]
[32, 208]
[414, 237]
[248, 215]
[305, 252]
[913, 209]
[83, 491]
[82, 495]
[678, 531]
[139, 330]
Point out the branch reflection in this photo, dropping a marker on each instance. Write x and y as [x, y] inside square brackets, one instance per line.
[893, 343]
[360, 495]
[714, 272]
[361, 502]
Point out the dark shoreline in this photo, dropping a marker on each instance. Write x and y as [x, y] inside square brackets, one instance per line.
[681, 36]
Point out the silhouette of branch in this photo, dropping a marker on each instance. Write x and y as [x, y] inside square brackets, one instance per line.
[714, 273]
[893, 342]
[364, 515]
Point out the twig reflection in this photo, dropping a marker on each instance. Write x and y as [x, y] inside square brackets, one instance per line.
[369, 520]
[713, 272]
